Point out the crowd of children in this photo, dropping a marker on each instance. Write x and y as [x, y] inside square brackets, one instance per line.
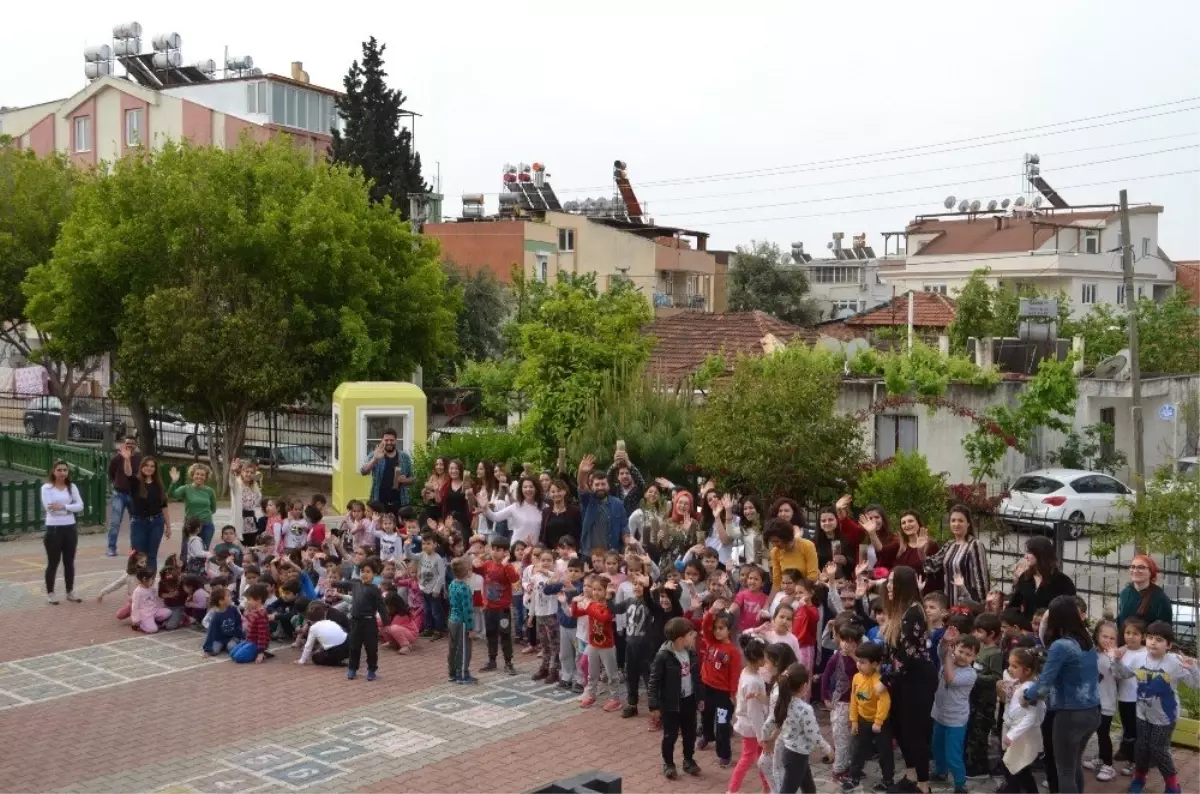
[722, 651]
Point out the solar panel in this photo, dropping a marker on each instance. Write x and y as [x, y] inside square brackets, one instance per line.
[870, 252]
[534, 198]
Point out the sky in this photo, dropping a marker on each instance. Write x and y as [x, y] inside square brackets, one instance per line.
[757, 121]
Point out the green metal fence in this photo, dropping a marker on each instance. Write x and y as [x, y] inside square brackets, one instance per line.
[21, 503]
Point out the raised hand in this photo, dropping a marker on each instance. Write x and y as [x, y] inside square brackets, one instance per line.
[844, 502]
[173, 474]
[587, 464]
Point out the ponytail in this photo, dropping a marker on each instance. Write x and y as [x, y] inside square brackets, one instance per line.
[790, 683]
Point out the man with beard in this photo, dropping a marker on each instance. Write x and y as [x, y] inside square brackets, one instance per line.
[391, 471]
[604, 518]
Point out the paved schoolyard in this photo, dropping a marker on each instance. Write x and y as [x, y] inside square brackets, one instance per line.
[86, 705]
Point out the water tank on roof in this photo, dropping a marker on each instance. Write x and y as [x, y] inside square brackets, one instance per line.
[94, 70]
[127, 30]
[239, 63]
[127, 47]
[166, 41]
[171, 59]
[100, 52]
[206, 66]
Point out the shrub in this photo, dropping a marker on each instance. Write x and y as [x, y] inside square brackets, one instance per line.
[907, 484]
[497, 445]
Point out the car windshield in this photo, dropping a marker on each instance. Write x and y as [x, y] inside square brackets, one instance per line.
[297, 454]
[1035, 484]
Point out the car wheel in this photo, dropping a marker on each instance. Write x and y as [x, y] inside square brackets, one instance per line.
[75, 433]
[1073, 527]
[30, 427]
[191, 445]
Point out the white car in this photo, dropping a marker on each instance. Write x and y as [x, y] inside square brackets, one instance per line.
[174, 432]
[1187, 466]
[1064, 500]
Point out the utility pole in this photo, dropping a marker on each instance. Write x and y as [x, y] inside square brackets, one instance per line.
[1135, 371]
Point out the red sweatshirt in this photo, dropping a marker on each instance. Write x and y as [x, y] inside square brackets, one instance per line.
[721, 665]
[804, 626]
[600, 623]
[498, 581]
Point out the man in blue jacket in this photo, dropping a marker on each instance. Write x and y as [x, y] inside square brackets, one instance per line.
[604, 518]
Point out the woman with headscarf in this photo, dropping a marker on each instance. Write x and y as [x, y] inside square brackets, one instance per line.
[1142, 597]
[680, 532]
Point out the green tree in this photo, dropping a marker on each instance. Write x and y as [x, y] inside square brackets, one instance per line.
[1168, 333]
[1092, 450]
[906, 484]
[513, 449]
[655, 424]
[36, 195]
[577, 335]
[760, 281]
[922, 370]
[496, 380]
[376, 138]
[266, 281]
[487, 306]
[974, 310]
[772, 428]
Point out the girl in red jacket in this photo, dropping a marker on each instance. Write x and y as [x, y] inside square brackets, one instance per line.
[601, 646]
[806, 620]
[720, 668]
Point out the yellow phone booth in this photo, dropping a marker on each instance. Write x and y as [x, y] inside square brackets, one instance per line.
[361, 412]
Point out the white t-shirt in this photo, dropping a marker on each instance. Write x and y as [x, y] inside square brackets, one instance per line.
[390, 546]
[1127, 688]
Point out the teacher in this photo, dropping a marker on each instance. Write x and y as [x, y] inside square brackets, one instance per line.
[149, 520]
[912, 681]
[61, 501]
[1142, 597]
[1038, 579]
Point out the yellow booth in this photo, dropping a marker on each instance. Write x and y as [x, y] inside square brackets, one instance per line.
[361, 412]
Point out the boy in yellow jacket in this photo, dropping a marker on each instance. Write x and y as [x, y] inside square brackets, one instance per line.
[869, 706]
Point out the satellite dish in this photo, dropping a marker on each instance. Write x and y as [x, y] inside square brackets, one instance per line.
[832, 345]
[1020, 202]
[829, 245]
[1004, 204]
[1035, 159]
[992, 205]
[1037, 201]
[975, 205]
[1114, 367]
[948, 203]
[963, 205]
[855, 345]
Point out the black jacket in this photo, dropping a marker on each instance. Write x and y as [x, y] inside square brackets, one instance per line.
[368, 600]
[1029, 598]
[666, 678]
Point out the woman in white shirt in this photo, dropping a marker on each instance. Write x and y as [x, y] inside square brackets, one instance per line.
[524, 517]
[61, 501]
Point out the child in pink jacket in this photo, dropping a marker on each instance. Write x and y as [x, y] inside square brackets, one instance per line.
[135, 562]
[147, 613]
[402, 632]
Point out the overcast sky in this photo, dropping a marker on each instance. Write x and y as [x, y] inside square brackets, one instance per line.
[689, 90]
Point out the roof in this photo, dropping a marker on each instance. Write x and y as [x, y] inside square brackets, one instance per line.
[978, 234]
[686, 339]
[1187, 276]
[930, 310]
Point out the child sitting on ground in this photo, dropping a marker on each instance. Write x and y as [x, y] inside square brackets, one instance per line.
[224, 624]
[403, 629]
[147, 612]
[135, 562]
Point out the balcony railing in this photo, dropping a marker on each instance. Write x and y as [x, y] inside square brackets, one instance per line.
[695, 302]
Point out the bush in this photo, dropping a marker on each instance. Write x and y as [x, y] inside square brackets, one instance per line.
[499, 446]
[906, 484]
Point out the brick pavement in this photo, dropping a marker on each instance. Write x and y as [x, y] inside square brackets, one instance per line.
[96, 708]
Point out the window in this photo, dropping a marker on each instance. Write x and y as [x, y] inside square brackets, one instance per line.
[1141, 290]
[1091, 241]
[1120, 294]
[290, 107]
[314, 114]
[847, 306]
[566, 239]
[836, 275]
[1145, 246]
[256, 97]
[133, 127]
[373, 423]
[541, 271]
[277, 103]
[302, 109]
[938, 288]
[1108, 416]
[894, 434]
[83, 133]
[1088, 294]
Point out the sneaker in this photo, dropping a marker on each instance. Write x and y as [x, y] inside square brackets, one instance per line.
[577, 688]
[110, 553]
[724, 763]
[669, 771]
[426, 634]
[371, 675]
[691, 767]
[351, 675]
[960, 790]
[1105, 773]
[540, 674]
[1127, 770]
[1092, 764]
[453, 680]
[438, 635]
[849, 784]
[1136, 786]
[489, 667]
[468, 679]
[1176, 789]
[552, 678]
[702, 743]
[906, 786]
[938, 777]
[52, 598]
[587, 702]
[405, 651]
[74, 599]
[883, 788]
[840, 777]
[529, 649]
[564, 683]
[628, 711]
[509, 669]
[612, 705]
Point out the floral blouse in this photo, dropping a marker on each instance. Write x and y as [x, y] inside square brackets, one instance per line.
[675, 540]
[910, 649]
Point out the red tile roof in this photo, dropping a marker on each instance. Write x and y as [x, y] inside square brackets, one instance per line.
[930, 310]
[684, 340]
[1187, 276]
[980, 236]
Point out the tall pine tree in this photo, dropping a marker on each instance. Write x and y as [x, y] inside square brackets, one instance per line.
[374, 139]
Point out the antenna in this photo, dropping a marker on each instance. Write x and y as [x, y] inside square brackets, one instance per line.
[964, 205]
[948, 203]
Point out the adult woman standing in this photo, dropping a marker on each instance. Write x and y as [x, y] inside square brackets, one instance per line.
[455, 496]
[524, 517]
[1142, 597]
[963, 557]
[1038, 580]
[150, 522]
[645, 522]
[199, 502]
[750, 524]
[486, 487]
[245, 496]
[722, 533]
[875, 531]
[561, 518]
[1070, 680]
[789, 549]
[912, 681]
[431, 493]
[914, 546]
[61, 501]
[680, 531]
[831, 546]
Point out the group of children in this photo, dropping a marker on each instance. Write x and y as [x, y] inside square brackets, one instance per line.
[719, 655]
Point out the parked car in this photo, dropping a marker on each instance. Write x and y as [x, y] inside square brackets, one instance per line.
[42, 413]
[299, 458]
[172, 431]
[1063, 500]
[1187, 466]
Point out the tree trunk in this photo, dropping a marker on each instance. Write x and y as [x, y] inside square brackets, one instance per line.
[147, 440]
[230, 431]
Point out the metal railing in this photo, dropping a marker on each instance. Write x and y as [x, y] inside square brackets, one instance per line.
[20, 501]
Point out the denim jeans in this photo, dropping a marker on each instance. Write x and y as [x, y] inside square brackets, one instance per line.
[117, 505]
[948, 751]
[435, 620]
[145, 535]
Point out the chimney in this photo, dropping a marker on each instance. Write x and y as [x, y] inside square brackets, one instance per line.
[999, 221]
[298, 73]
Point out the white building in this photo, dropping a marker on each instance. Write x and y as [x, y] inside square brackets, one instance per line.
[847, 283]
[1073, 249]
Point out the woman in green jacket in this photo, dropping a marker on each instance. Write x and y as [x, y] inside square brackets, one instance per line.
[199, 501]
[1142, 597]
